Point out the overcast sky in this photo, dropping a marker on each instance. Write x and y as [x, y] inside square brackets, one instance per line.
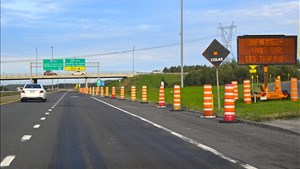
[90, 28]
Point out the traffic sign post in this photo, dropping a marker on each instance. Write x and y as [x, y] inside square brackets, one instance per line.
[53, 64]
[216, 53]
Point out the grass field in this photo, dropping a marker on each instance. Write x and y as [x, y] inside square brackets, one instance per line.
[192, 98]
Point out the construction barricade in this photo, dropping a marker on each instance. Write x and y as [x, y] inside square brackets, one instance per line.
[294, 89]
[161, 99]
[176, 98]
[133, 93]
[229, 105]
[277, 85]
[113, 92]
[247, 92]
[208, 111]
[235, 90]
[122, 93]
[144, 94]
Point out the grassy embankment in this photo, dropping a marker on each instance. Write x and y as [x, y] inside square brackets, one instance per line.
[192, 98]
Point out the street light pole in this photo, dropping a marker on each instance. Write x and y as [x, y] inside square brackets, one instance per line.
[181, 35]
[36, 55]
[133, 60]
[52, 61]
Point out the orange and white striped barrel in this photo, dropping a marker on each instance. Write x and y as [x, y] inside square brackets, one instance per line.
[176, 98]
[97, 91]
[90, 91]
[113, 92]
[229, 103]
[80, 90]
[208, 110]
[144, 94]
[247, 92]
[86, 90]
[294, 89]
[122, 93]
[106, 92]
[277, 85]
[236, 90]
[161, 98]
[93, 91]
[133, 93]
[102, 91]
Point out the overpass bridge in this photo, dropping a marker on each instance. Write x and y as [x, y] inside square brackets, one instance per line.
[64, 75]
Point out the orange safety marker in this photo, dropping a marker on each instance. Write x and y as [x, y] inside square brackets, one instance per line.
[161, 99]
[277, 85]
[93, 91]
[97, 91]
[247, 92]
[294, 89]
[113, 92]
[90, 90]
[176, 98]
[122, 93]
[106, 92]
[236, 90]
[102, 91]
[208, 110]
[229, 105]
[144, 94]
[133, 93]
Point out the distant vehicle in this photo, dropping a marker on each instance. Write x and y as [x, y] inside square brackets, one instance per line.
[49, 73]
[33, 92]
[157, 71]
[78, 73]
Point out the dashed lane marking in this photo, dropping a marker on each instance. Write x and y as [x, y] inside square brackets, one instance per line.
[36, 126]
[50, 110]
[43, 118]
[26, 138]
[200, 145]
[47, 113]
[7, 160]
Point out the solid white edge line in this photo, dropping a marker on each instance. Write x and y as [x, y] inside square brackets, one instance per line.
[7, 160]
[202, 146]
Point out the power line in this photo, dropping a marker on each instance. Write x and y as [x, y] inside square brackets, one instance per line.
[124, 51]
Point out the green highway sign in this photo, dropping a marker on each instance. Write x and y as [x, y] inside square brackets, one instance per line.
[75, 62]
[53, 64]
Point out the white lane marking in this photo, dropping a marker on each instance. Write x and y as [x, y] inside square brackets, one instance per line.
[36, 126]
[43, 118]
[202, 146]
[50, 110]
[52, 107]
[47, 113]
[26, 138]
[7, 160]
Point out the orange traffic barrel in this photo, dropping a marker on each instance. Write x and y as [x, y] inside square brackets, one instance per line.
[247, 92]
[144, 94]
[161, 98]
[294, 89]
[229, 104]
[277, 85]
[208, 110]
[176, 98]
[122, 93]
[106, 92]
[93, 91]
[97, 91]
[113, 92]
[133, 93]
[236, 90]
[90, 91]
[101, 91]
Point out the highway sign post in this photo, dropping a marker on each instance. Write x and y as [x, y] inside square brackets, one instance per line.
[53, 64]
[216, 53]
[75, 64]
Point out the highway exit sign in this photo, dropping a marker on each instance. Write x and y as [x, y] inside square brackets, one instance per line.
[53, 64]
[74, 64]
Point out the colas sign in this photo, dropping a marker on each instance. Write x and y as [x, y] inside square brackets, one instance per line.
[215, 53]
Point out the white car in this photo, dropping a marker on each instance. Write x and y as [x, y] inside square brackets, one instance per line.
[78, 73]
[33, 92]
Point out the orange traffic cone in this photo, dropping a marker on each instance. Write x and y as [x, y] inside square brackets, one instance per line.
[122, 95]
[144, 94]
[229, 104]
[208, 110]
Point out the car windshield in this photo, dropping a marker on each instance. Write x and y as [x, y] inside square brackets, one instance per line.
[33, 86]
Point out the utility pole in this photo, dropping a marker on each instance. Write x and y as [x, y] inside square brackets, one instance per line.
[181, 46]
[52, 61]
[36, 64]
[226, 34]
[133, 60]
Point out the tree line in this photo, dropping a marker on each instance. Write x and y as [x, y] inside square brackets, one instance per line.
[230, 70]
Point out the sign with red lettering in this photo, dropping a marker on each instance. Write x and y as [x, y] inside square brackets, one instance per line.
[267, 50]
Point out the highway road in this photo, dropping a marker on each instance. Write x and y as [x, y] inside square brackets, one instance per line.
[73, 130]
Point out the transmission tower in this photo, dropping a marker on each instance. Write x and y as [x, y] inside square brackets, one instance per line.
[226, 34]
